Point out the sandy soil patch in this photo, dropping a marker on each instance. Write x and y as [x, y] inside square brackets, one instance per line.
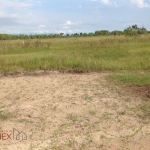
[70, 112]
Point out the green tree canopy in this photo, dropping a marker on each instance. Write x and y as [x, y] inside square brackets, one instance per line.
[134, 30]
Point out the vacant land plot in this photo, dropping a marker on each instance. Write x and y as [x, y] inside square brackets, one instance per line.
[71, 112]
[105, 106]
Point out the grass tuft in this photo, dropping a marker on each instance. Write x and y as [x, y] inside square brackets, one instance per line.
[3, 115]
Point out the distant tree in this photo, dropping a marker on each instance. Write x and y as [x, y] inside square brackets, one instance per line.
[61, 34]
[130, 31]
[116, 32]
[102, 32]
[67, 35]
[81, 33]
[142, 30]
[75, 34]
[84, 34]
[135, 27]
[90, 34]
[134, 30]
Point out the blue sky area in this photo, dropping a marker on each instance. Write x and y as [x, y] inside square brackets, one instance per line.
[71, 16]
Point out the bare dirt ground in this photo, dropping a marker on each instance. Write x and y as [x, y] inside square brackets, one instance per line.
[70, 112]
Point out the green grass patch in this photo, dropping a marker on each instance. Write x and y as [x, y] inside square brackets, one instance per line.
[3, 115]
[72, 117]
[134, 79]
[83, 53]
[22, 120]
[145, 107]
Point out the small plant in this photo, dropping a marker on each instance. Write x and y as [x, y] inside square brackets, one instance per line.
[3, 115]
[87, 97]
[89, 138]
[1, 107]
[106, 115]
[17, 98]
[72, 117]
[55, 147]
[54, 108]
[122, 112]
[71, 143]
[145, 109]
[92, 112]
[22, 120]
[102, 136]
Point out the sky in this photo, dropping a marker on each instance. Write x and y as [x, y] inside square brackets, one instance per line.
[71, 16]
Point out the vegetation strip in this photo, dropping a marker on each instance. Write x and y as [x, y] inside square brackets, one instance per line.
[101, 53]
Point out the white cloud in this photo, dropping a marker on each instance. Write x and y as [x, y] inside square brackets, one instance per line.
[141, 3]
[94, 0]
[70, 26]
[19, 12]
[14, 4]
[39, 2]
[39, 31]
[70, 23]
[42, 26]
[15, 16]
[11, 8]
[3, 14]
[109, 2]
[30, 14]
[80, 6]
[65, 31]
[6, 15]
[69, 31]
[106, 2]
[65, 27]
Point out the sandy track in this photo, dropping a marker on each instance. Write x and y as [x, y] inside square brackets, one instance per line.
[70, 112]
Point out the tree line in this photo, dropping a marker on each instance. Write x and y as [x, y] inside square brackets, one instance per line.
[133, 30]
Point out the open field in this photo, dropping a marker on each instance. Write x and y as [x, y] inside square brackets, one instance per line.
[129, 55]
[78, 54]
[86, 93]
